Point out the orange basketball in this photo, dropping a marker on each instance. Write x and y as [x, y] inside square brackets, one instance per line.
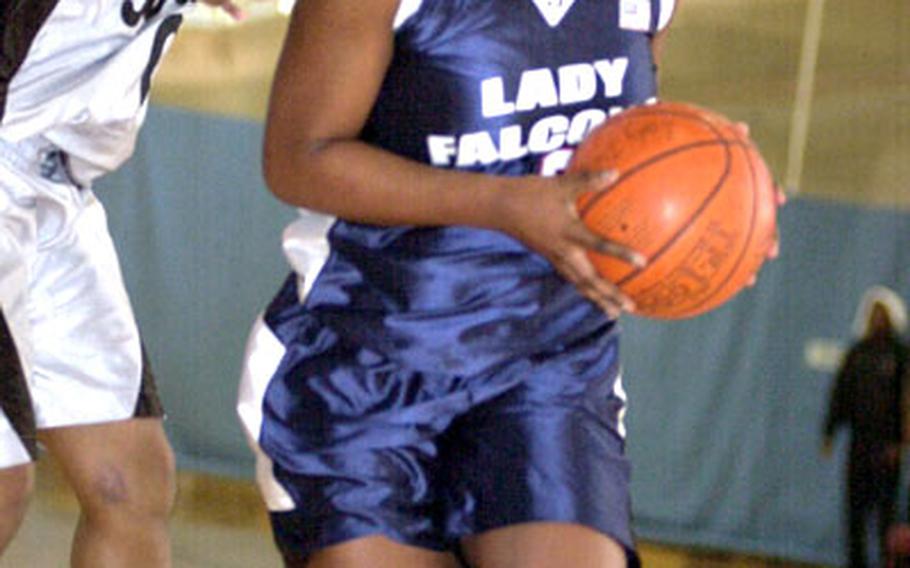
[694, 196]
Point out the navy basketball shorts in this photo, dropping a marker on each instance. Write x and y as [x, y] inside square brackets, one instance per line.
[351, 443]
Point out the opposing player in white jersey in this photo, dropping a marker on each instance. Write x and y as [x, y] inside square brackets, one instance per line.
[74, 82]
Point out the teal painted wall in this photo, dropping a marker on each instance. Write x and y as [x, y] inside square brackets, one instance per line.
[725, 414]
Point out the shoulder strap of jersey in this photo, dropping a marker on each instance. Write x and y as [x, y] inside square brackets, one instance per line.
[661, 14]
[406, 9]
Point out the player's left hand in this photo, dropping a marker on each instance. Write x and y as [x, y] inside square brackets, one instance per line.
[229, 7]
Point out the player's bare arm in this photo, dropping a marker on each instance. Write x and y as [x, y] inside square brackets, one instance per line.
[660, 38]
[334, 60]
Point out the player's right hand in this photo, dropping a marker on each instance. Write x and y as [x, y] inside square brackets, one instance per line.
[543, 214]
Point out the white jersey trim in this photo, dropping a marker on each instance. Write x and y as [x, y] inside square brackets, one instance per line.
[620, 392]
[406, 9]
[83, 82]
[263, 355]
[306, 247]
[667, 7]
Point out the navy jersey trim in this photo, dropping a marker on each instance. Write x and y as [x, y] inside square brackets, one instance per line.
[655, 15]
[20, 21]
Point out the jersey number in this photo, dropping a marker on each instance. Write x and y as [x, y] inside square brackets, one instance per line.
[168, 27]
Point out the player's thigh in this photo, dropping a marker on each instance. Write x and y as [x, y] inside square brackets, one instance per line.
[125, 461]
[543, 545]
[15, 488]
[376, 552]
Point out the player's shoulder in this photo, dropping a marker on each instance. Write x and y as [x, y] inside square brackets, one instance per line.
[662, 10]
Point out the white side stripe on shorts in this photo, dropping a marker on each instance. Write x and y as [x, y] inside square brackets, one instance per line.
[263, 355]
[620, 393]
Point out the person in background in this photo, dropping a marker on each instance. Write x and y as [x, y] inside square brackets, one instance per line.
[867, 400]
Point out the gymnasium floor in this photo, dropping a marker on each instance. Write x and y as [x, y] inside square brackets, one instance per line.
[219, 523]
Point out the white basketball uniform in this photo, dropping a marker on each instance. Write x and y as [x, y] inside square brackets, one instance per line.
[72, 99]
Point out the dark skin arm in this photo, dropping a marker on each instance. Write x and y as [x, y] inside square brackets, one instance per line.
[660, 38]
[332, 66]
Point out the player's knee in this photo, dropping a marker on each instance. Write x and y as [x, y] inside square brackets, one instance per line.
[16, 486]
[136, 491]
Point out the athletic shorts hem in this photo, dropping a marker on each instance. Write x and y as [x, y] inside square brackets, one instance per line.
[302, 551]
[301, 548]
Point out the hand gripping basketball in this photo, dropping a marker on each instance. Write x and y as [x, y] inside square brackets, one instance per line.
[694, 195]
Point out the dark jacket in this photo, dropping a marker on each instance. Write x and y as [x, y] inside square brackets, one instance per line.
[867, 395]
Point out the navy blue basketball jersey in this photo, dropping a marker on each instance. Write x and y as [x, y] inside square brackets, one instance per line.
[505, 87]
[500, 86]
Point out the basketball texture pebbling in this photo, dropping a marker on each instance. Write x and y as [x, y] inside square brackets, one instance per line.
[694, 195]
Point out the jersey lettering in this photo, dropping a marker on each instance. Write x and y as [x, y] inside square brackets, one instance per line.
[168, 27]
[541, 88]
[512, 142]
[149, 10]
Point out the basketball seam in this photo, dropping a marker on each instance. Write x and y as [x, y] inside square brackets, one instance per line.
[650, 110]
[751, 233]
[642, 165]
[745, 146]
[684, 226]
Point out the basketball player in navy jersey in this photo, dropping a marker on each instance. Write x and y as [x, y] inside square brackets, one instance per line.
[441, 372]
[73, 93]
[438, 381]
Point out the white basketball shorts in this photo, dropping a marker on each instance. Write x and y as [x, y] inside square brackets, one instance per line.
[80, 360]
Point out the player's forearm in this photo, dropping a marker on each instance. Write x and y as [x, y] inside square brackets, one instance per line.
[357, 182]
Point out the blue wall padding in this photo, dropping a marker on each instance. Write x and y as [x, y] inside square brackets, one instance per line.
[724, 417]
